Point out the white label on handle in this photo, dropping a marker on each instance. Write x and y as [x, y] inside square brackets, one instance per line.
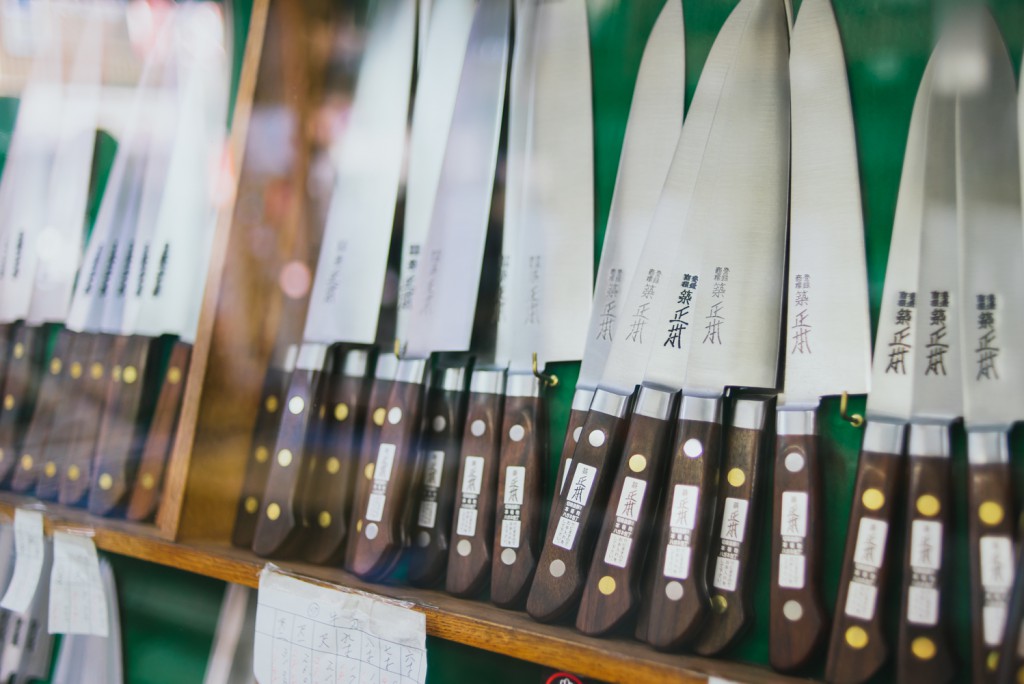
[28, 561]
[78, 602]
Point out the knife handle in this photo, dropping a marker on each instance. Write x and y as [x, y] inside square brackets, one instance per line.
[86, 411]
[1011, 656]
[31, 468]
[675, 597]
[923, 641]
[469, 559]
[116, 444]
[798, 616]
[573, 522]
[523, 454]
[858, 647]
[438, 482]
[279, 528]
[990, 540]
[156, 450]
[6, 333]
[257, 468]
[577, 417]
[328, 499]
[19, 393]
[612, 588]
[377, 545]
[731, 571]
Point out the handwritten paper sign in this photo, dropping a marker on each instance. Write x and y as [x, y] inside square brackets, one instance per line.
[311, 634]
[28, 561]
[78, 602]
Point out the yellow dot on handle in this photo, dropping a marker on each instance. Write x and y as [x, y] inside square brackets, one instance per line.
[273, 511]
[736, 477]
[9, 402]
[76, 370]
[719, 603]
[129, 375]
[990, 513]
[873, 499]
[856, 637]
[261, 454]
[1, 454]
[341, 412]
[606, 585]
[50, 469]
[96, 371]
[928, 505]
[251, 504]
[106, 481]
[324, 519]
[359, 526]
[74, 473]
[271, 404]
[148, 481]
[26, 462]
[174, 375]
[19, 350]
[379, 415]
[115, 374]
[284, 458]
[637, 463]
[992, 661]
[923, 648]
[55, 366]
[1020, 676]
[333, 465]
[368, 471]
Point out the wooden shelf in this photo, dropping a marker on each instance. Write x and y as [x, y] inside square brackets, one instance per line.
[473, 623]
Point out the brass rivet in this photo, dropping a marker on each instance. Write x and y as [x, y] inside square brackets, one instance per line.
[1020, 676]
[19, 350]
[106, 481]
[96, 371]
[359, 526]
[368, 471]
[379, 415]
[74, 473]
[76, 370]
[26, 462]
[273, 511]
[115, 373]
[736, 477]
[148, 481]
[719, 603]
[324, 519]
[992, 661]
[261, 454]
[271, 404]
[251, 504]
[333, 465]
[873, 499]
[856, 637]
[923, 648]
[50, 469]
[9, 402]
[129, 375]
[174, 375]
[637, 463]
[341, 412]
[1, 454]
[284, 458]
[55, 366]
[606, 585]
[295, 405]
[991, 513]
[928, 505]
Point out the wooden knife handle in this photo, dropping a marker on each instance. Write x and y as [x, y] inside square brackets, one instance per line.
[676, 601]
[369, 444]
[377, 546]
[516, 541]
[32, 468]
[858, 647]
[730, 567]
[990, 540]
[438, 483]
[328, 500]
[19, 393]
[85, 412]
[257, 468]
[1011, 657]
[116, 444]
[612, 588]
[798, 618]
[279, 528]
[6, 333]
[469, 559]
[145, 496]
[574, 520]
[55, 446]
[924, 653]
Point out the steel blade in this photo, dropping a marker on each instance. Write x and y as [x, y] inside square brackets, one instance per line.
[652, 132]
[345, 301]
[444, 299]
[663, 250]
[828, 340]
[552, 274]
[991, 240]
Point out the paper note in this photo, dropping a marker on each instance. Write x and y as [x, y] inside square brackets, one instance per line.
[78, 602]
[312, 634]
[28, 560]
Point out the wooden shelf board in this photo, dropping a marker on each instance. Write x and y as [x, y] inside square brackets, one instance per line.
[470, 622]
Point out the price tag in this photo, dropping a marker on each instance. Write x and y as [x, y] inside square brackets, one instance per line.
[78, 602]
[28, 561]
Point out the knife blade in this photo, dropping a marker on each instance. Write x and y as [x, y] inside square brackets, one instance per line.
[444, 298]
[347, 289]
[828, 338]
[857, 647]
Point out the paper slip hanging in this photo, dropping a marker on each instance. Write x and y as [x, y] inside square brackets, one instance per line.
[308, 633]
[78, 603]
[28, 560]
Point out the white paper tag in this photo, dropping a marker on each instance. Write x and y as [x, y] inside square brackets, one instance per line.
[794, 514]
[727, 572]
[78, 604]
[993, 621]
[617, 552]
[385, 459]
[428, 514]
[472, 474]
[734, 520]
[860, 600]
[510, 531]
[467, 522]
[582, 481]
[923, 606]
[677, 562]
[792, 569]
[631, 499]
[308, 633]
[870, 549]
[434, 469]
[515, 476]
[996, 563]
[375, 507]
[684, 506]
[28, 560]
[565, 533]
[926, 544]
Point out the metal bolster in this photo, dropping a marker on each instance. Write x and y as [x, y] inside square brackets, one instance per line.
[522, 385]
[311, 356]
[452, 379]
[654, 403]
[487, 382]
[799, 422]
[748, 414]
[413, 371]
[290, 355]
[610, 403]
[884, 437]
[387, 364]
[701, 409]
[582, 398]
[355, 363]
[929, 440]
[987, 446]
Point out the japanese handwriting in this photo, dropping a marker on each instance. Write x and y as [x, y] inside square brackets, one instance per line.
[678, 323]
